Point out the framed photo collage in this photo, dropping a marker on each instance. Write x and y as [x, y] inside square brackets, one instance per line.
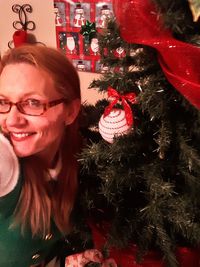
[70, 16]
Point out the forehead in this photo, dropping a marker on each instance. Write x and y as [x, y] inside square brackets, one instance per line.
[21, 78]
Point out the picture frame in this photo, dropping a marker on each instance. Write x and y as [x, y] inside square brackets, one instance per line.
[70, 16]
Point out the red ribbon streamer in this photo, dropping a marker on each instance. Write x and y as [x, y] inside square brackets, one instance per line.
[140, 23]
[131, 97]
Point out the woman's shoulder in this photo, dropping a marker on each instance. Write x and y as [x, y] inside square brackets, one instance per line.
[17, 249]
[9, 167]
[8, 202]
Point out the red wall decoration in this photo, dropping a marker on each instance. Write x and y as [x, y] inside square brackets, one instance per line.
[69, 17]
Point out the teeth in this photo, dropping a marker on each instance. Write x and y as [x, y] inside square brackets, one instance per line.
[20, 135]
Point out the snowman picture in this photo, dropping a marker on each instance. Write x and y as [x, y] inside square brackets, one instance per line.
[80, 66]
[58, 18]
[79, 16]
[105, 13]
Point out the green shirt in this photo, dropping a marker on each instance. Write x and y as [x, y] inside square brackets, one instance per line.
[17, 250]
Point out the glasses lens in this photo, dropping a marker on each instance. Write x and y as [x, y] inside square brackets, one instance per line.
[4, 106]
[31, 107]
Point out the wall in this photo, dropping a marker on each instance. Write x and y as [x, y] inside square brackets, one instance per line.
[89, 95]
[43, 16]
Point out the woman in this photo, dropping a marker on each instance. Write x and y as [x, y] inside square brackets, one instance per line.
[39, 107]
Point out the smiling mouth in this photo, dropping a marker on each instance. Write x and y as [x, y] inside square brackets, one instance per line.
[20, 136]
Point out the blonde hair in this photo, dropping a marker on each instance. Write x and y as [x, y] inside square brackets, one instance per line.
[38, 202]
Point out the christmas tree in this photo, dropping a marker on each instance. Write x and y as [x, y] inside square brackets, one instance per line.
[141, 179]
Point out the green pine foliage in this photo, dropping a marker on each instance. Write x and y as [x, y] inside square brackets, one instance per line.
[146, 184]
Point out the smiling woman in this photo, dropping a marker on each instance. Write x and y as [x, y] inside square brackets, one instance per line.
[32, 127]
[39, 107]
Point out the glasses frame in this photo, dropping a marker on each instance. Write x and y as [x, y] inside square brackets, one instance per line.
[46, 106]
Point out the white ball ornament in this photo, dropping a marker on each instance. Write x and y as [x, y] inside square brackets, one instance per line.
[113, 125]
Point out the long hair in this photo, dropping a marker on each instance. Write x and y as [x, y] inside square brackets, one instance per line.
[38, 202]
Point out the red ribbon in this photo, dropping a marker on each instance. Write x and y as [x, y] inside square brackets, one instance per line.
[131, 97]
[141, 23]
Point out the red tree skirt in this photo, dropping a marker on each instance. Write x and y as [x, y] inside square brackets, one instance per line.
[126, 257]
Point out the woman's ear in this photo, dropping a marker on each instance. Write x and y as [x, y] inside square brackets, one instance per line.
[72, 111]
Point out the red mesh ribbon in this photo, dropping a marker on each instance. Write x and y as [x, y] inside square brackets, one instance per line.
[131, 97]
[140, 23]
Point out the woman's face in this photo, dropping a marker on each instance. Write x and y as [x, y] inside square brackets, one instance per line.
[33, 135]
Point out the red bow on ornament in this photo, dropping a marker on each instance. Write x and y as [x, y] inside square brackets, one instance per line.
[141, 23]
[131, 97]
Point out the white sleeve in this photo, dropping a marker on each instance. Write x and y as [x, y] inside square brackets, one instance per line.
[9, 167]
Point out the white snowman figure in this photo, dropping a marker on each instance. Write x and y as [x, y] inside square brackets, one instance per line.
[104, 68]
[105, 13]
[79, 17]
[80, 66]
[94, 46]
[58, 18]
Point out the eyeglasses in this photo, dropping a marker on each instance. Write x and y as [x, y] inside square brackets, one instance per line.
[32, 107]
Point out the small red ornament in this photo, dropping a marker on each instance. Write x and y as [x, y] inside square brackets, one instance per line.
[119, 52]
[105, 51]
[19, 37]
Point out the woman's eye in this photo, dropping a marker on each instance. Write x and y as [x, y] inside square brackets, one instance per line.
[33, 102]
[4, 102]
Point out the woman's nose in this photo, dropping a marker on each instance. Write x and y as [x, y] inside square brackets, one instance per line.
[15, 117]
